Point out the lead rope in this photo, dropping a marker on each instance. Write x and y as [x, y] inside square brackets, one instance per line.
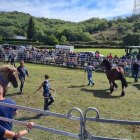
[25, 91]
[54, 95]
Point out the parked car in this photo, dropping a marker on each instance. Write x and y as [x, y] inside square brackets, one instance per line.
[21, 48]
[7, 46]
[90, 52]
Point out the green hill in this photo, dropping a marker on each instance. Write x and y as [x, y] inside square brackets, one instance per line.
[16, 23]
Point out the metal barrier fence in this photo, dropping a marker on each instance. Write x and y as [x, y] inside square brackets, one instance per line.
[67, 60]
[59, 59]
[68, 116]
[83, 134]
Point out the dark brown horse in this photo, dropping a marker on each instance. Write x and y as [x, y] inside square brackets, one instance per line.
[8, 74]
[114, 73]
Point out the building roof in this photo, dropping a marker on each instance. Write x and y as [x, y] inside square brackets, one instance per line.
[20, 37]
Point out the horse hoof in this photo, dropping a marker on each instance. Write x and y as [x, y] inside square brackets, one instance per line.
[111, 89]
[123, 93]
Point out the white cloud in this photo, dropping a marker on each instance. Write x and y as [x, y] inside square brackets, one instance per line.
[69, 10]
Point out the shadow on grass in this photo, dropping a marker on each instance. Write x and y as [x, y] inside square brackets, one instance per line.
[13, 94]
[77, 86]
[29, 118]
[137, 86]
[100, 93]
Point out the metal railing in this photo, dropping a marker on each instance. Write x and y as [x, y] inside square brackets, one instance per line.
[68, 116]
[87, 135]
[83, 133]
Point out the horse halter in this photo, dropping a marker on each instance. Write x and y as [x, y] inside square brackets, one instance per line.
[2, 79]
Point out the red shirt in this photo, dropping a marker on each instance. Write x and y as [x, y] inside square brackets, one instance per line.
[110, 56]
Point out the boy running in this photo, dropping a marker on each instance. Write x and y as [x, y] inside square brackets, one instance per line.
[46, 93]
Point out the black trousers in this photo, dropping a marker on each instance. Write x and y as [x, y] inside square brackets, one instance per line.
[13, 61]
[9, 59]
[22, 79]
[48, 100]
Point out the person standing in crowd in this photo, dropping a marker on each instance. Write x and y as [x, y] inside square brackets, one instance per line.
[13, 58]
[89, 70]
[46, 93]
[110, 56]
[6, 134]
[135, 71]
[9, 52]
[22, 72]
[6, 112]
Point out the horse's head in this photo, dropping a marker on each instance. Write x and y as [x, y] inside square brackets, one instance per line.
[106, 63]
[102, 64]
[12, 77]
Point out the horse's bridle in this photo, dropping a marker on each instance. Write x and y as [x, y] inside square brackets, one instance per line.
[2, 79]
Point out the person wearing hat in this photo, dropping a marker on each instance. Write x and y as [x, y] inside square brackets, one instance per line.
[89, 70]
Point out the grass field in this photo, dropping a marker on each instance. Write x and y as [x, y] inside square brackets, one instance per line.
[105, 52]
[72, 93]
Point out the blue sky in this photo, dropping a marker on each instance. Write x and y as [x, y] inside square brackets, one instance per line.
[70, 10]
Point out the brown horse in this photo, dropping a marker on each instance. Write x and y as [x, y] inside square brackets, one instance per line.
[114, 73]
[8, 74]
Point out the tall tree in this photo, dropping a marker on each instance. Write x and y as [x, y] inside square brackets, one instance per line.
[31, 31]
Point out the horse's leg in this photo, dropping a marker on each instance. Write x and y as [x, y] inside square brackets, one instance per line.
[123, 93]
[111, 87]
[114, 84]
[5, 89]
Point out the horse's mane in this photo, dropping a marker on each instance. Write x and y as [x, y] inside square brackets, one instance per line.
[7, 68]
[107, 64]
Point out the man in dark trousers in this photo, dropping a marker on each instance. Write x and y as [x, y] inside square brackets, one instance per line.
[135, 71]
[13, 58]
[6, 112]
[22, 72]
[89, 70]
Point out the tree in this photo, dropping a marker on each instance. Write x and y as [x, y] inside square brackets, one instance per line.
[0, 37]
[63, 39]
[31, 31]
[131, 39]
[7, 32]
[87, 37]
[52, 40]
[103, 37]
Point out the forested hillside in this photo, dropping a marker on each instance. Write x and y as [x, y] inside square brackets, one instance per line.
[16, 23]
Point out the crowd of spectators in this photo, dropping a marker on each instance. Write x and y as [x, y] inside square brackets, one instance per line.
[71, 59]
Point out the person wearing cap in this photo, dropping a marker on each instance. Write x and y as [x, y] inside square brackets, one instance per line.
[6, 134]
[6, 112]
[135, 71]
[89, 70]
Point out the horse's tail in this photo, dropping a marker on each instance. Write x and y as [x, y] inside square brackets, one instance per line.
[122, 78]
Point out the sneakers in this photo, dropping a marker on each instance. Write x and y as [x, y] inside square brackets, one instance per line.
[92, 84]
[48, 108]
[21, 92]
[89, 84]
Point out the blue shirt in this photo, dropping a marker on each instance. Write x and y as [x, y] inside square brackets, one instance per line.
[46, 87]
[2, 132]
[13, 55]
[89, 69]
[7, 112]
[23, 71]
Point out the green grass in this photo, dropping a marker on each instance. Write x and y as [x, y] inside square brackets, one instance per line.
[71, 93]
[105, 52]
